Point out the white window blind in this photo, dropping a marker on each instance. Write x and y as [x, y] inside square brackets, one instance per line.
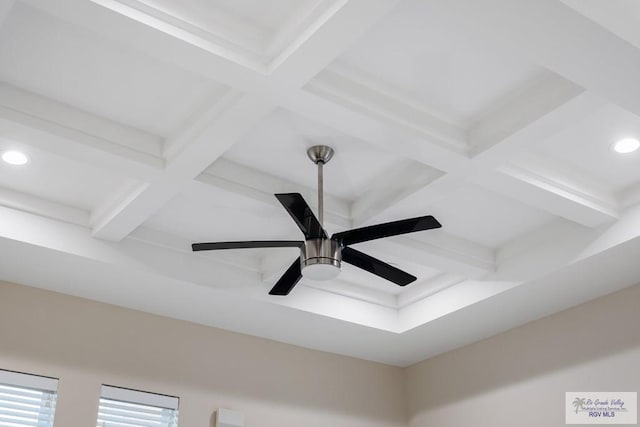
[27, 400]
[120, 407]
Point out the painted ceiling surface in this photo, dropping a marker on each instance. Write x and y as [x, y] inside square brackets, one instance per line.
[153, 124]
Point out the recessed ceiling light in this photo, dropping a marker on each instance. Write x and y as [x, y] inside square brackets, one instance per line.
[626, 145]
[15, 157]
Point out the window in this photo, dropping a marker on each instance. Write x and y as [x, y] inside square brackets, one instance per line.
[27, 400]
[121, 407]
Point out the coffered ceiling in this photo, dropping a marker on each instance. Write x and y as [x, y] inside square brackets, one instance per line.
[152, 124]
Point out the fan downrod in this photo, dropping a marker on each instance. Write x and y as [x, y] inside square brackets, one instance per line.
[320, 155]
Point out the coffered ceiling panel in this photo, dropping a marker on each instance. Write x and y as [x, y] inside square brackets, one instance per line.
[416, 55]
[278, 146]
[43, 54]
[586, 148]
[206, 213]
[472, 212]
[60, 179]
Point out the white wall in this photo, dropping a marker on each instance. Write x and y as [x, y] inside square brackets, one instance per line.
[519, 378]
[86, 344]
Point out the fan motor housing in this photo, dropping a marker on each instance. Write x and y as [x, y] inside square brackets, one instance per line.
[320, 259]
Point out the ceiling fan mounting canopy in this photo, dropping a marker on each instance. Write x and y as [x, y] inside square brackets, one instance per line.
[321, 257]
[320, 154]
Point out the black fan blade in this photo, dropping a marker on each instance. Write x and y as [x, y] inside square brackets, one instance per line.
[377, 267]
[289, 279]
[302, 215]
[387, 229]
[246, 245]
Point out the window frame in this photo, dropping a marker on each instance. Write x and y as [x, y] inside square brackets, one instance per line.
[25, 384]
[110, 396]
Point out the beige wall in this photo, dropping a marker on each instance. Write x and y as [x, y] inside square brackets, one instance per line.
[519, 378]
[86, 344]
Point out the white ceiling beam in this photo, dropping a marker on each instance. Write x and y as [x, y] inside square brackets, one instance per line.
[260, 186]
[155, 39]
[24, 131]
[49, 110]
[158, 27]
[115, 220]
[54, 235]
[362, 93]
[227, 36]
[296, 28]
[389, 188]
[68, 132]
[329, 36]
[558, 197]
[205, 144]
[553, 35]
[537, 110]
[221, 127]
[46, 208]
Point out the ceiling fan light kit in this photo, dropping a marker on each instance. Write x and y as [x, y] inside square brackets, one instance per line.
[321, 257]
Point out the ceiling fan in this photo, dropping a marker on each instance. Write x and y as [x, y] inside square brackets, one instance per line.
[320, 256]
